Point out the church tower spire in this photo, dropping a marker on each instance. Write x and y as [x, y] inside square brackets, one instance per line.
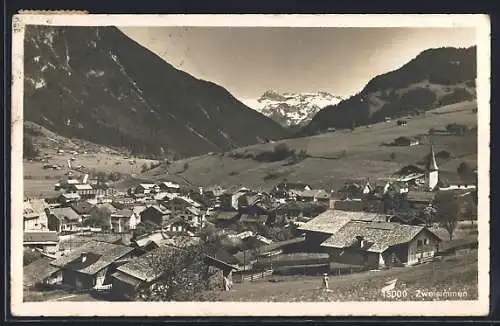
[432, 171]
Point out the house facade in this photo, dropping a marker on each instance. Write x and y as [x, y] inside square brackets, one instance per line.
[46, 241]
[34, 215]
[90, 266]
[124, 220]
[156, 214]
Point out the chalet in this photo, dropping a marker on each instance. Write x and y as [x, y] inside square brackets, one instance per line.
[85, 191]
[180, 203]
[68, 198]
[369, 239]
[351, 190]
[107, 207]
[405, 141]
[146, 189]
[90, 266]
[63, 219]
[381, 244]
[124, 220]
[225, 219]
[82, 208]
[40, 272]
[34, 214]
[232, 201]
[312, 196]
[156, 214]
[177, 225]
[327, 223]
[170, 187]
[46, 241]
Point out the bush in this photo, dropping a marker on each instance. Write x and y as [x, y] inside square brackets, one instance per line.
[186, 166]
[393, 156]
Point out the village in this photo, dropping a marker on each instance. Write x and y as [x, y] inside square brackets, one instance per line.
[93, 241]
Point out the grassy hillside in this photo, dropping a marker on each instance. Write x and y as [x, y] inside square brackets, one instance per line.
[436, 77]
[334, 157]
[95, 83]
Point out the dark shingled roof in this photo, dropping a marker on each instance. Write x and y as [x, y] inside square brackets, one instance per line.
[37, 271]
[40, 236]
[102, 252]
[65, 213]
[82, 207]
[378, 236]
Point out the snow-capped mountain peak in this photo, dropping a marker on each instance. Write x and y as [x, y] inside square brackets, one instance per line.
[291, 109]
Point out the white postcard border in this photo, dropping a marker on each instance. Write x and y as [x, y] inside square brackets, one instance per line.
[433, 308]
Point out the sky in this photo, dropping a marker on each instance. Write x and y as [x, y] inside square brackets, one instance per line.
[247, 61]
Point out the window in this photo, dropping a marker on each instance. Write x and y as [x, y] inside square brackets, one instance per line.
[419, 243]
[426, 241]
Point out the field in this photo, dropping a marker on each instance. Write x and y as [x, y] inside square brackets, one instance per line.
[334, 157]
[455, 274]
[94, 158]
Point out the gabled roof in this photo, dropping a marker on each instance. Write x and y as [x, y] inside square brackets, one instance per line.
[143, 267]
[35, 207]
[70, 195]
[331, 221]
[169, 184]
[99, 254]
[123, 213]
[158, 209]
[66, 213]
[37, 271]
[40, 236]
[107, 206]
[378, 236]
[147, 185]
[82, 207]
[226, 216]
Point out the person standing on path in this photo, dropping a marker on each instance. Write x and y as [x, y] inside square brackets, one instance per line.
[325, 281]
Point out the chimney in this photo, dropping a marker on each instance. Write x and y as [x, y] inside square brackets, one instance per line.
[83, 257]
[361, 240]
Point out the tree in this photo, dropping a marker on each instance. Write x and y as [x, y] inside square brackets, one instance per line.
[447, 211]
[144, 167]
[429, 213]
[99, 217]
[183, 275]
[186, 166]
[393, 156]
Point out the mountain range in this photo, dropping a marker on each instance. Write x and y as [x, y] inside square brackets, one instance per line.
[434, 78]
[96, 84]
[292, 110]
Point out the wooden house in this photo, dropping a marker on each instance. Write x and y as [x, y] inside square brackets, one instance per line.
[91, 265]
[82, 208]
[419, 199]
[68, 198]
[46, 241]
[369, 240]
[34, 214]
[63, 219]
[146, 189]
[156, 214]
[124, 220]
[41, 272]
[170, 187]
[405, 141]
[85, 191]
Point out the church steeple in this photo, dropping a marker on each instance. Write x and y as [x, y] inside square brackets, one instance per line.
[432, 165]
[432, 171]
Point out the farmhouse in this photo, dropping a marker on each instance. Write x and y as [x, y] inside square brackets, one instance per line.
[34, 215]
[46, 241]
[85, 191]
[225, 219]
[124, 220]
[367, 239]
[64, 219]
[156, 214]
[41, 272]
[455, 181]
[317, 195]
[82, 208]
[381, 244]
[90, 266]
[170, 187]
[68, 198]
[146, 189]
